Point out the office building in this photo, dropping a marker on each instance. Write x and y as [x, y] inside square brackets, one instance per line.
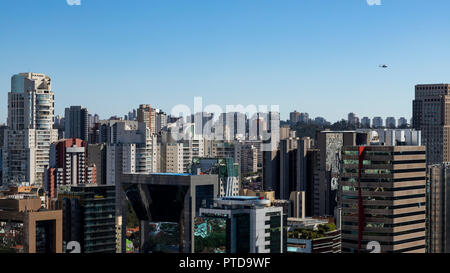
[89, 217]
[329, 144]
[429, 116]
[438, 201]
[293, 168]
[281, 169]
[382, 194]
[297, 204]
[76, 123]
[240, 224]
[175, 201]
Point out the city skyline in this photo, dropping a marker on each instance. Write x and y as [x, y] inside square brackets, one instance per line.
[257, 52]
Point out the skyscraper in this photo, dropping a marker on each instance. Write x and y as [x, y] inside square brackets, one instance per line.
[330, 144]
[382, 195]
[89, 217]
[431, 115]
[68, 165]
[30, 129]
[438, 201]
[76, 123]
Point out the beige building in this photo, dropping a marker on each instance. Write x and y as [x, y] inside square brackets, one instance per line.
[382, 195]
[246, 154]
[27, 228]
[173, 158]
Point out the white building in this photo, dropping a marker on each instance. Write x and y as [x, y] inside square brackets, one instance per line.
[30, 129]
[394, 137]
[132, 144]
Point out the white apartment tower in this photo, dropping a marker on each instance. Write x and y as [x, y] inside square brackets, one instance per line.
[30, 129]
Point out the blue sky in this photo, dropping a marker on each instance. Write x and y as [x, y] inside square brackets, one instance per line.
[315, 56]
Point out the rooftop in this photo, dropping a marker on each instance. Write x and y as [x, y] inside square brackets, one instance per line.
[173, 174]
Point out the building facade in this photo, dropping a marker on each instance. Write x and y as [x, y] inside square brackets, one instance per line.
[30, 129]
[76, 123]
[431, 115]
[382, 194]
[244, 225]
[89, 217]
[438, 208]
[68, 165]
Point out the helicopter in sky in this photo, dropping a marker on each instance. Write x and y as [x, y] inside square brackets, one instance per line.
[383, 66]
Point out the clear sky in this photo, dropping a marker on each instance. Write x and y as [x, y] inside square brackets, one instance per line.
[315, 56]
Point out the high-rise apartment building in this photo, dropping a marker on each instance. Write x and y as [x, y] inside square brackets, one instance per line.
[382, 194]
[353, 119]
[130, 143]
[155, 119]
[246, 154]
[30, 129]
[320, 121]
[402, 123]
[365, 122]
[294, 117]
[96, 155]
[68, 165]
[304, 118]
[431, 115]
[391, 123]
[76, 123]
[377, 122]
